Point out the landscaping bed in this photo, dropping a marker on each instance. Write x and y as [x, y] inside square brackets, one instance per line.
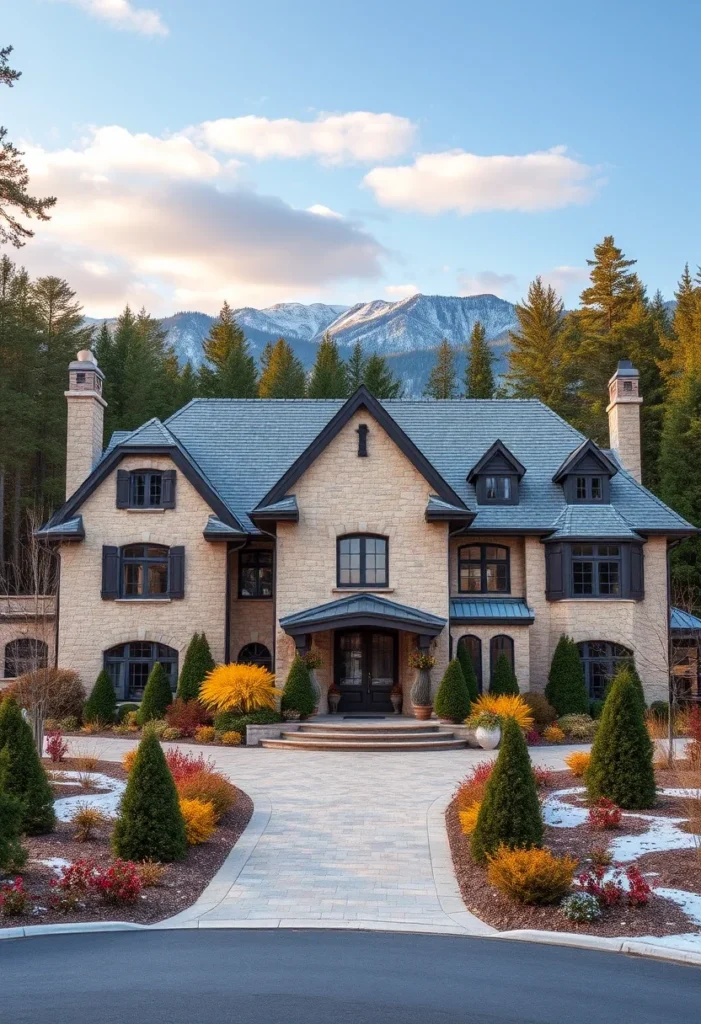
[180, 885]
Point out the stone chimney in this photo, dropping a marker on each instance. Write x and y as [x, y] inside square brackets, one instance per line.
[86, 413]
[624, 417]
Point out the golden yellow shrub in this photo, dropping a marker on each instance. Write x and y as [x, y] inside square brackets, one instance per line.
[128, 759]
[205, 734]
[150, 872]
[237, 687]
[506, 706]
[199, 820]
[578, 762]
[468, 819]
[531, 876]
[210, 787]
[231, 738]
[554, 734]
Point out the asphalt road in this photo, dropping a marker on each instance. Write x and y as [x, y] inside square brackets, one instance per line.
[266, 977]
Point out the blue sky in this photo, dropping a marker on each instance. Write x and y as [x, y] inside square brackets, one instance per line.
[138, 115]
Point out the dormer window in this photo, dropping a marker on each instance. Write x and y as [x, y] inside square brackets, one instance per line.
[585, 476]
[496, 476]
[498, 488]
[589, 489]
[142, 489]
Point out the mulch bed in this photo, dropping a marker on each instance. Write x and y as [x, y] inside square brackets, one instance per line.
[181, 884]
[678, 869]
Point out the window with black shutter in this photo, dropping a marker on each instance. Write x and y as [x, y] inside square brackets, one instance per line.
[146, 488]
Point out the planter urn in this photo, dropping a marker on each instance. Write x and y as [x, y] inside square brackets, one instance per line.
[316, 689]
[488, 739]
[423, 711]
[396, 699]
[334, 701]
[421, 694]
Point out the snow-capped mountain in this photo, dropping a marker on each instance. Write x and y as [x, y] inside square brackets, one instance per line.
[290, 319]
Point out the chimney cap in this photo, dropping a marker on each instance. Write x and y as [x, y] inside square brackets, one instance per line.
[625, 369]
[86, 356]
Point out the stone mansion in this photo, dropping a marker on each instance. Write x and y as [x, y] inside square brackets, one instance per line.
[365, 529]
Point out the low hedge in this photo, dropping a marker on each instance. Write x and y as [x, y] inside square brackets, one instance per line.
[232, 721]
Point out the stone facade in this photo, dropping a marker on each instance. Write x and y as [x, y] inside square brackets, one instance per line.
[252, 620]
[26, 617]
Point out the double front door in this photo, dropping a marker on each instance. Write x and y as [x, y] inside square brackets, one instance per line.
[366, 668]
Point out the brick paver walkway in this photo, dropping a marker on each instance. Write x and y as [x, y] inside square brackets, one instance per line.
[352, 839]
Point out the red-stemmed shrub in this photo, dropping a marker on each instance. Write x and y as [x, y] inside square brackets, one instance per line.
[533, 737]
[73, 885]
[639, 891]
[604, 815]
[14, 898]
[56, 746]
[611, 892]
[471, 789]
[119, 883]
[183, 765]
[187, 716]
[543, 776]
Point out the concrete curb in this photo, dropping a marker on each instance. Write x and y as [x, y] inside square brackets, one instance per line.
[632, 947]
[70, 929]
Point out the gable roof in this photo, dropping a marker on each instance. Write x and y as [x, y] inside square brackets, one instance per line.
[582, 522]
[498, 448]
[587, 447]
[361, 610]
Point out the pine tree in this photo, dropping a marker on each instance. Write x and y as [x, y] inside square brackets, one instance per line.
[442, 382]
[101, 705]
[12, 855]
[150, 825]
[230, 369]
[298, 694]
[479, 377]
[621, 766]
[198, 662]
[566, 689]
[157, 695]
[503, 681]
[355, 369]
[680, 472]
[468, 671]
[24, 775]
[536, 355]
[379, 379]
[608, 299]
[509, 814]
[453, 698]
[684, 343]
[328, 378]
[283, 374]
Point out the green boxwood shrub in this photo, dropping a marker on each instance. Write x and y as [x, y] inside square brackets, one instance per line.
[660, 709]
[510, 811]
[503, 682]
[150, 823]
[198, 662]
[101, 705]
[621, 764]
[157, 695]
[453, 700]
[298, 694]
[595, 709]
[468, 671]
[232, 721]
[566, 689]
[23, 773]
[124, 709]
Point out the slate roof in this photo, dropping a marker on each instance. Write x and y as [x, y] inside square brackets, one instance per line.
[362, 607]
[71, 528]
[602, 521]
[216, 529]
[684, 621]
[491, 609]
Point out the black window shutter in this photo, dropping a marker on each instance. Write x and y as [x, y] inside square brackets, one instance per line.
[168, 489]
[110, 573]
[637, 579]
[554, 572]
[122, 488]
[176, 572]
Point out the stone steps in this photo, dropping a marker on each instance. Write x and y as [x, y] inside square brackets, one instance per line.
[366, 736]
[409, 743]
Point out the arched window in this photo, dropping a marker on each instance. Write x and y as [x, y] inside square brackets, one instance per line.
[129, 665]
[600, 659]
[483, 569]
[362, 561]
[144, 570]
[25, 655]
[473, 646]
[255, 654]
[499, 645]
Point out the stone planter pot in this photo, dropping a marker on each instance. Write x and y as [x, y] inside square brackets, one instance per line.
[334, 701]
[423, 711]
[396, 699]
[421, 690]
[488, 739]
[316, 689]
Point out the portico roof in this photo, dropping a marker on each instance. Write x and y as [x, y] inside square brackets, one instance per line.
[362, 610]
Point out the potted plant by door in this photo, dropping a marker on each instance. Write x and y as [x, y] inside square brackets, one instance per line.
[421, 690]
[312, 660]
[334, 696]
[396, 696]
[487, 728]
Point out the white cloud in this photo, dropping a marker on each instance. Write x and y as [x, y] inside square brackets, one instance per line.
[324, 211]
[467, 183]
[565, 278]
[172, 228]
[486, 282]
[333, 138]
[401, 291]
[122, 14]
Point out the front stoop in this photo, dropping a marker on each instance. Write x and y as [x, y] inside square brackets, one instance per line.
[367, 735]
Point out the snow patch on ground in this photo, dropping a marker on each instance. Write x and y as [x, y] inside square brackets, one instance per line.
[663, 834]
[57, 864]
[689, 794]
[107, 801]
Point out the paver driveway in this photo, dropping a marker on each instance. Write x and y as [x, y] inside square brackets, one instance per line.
[339, 837]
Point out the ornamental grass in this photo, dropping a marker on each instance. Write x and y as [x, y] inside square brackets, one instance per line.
[530, 876]
[578, 762]
[242, 688]
[200, 823]
[505, 706]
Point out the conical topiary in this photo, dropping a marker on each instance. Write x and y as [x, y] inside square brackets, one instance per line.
[453, 700]
[468, 671]
[12, 855]
[566, 689]
[503, 682]
[101, 705]
[150, 823]
[298, 694]
[621, 763]
[198, 662]
[24, 775]
[510, 811]
[157, 695]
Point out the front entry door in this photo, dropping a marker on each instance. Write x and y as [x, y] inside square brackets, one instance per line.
[366, 668]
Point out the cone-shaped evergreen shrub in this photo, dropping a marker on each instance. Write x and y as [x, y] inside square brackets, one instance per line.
[621, 765]
[24, 775]
[101, 705]
[198, 662]
[150, 823]
[157, 695]
[468, 671]
[453, 700]
[12, 855]
[638, 684]
[566, 689]
[298, 694]
[510, 811]
[503, 682]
